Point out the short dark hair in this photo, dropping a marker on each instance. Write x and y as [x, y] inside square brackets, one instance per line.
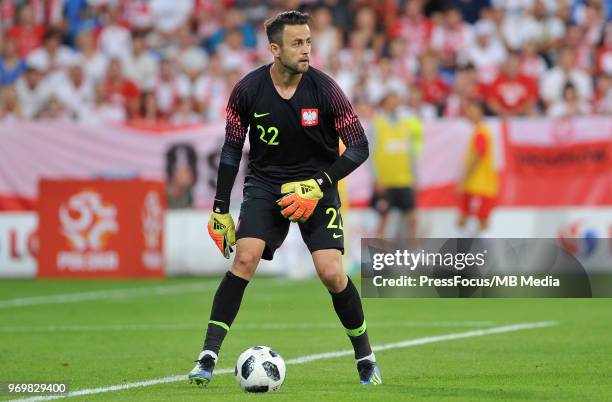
[52, 34]
[276, 25]
[139, 34]
[569, 85]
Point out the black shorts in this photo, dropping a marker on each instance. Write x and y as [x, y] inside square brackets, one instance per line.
[260, 217]
[401, 198]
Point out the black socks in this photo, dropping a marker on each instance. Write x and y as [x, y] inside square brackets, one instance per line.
[347, 304]
[227, 301]
[224, 310]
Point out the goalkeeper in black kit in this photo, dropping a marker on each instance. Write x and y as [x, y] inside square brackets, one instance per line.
[294, 116]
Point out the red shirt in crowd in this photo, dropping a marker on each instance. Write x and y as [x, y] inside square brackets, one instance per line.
[26, 39]
[512, 94]
[417, 35]
[121, 92]
[604, 60]
[434, 91]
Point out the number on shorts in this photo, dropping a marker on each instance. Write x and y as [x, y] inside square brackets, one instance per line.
[335, 214]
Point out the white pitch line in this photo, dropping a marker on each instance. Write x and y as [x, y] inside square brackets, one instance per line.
[260, 326]
[105, 294]
[428, 339]
[125, 293]
[392, 324]
[309, 358]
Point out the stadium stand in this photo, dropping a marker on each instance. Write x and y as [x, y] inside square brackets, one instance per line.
[174, 61]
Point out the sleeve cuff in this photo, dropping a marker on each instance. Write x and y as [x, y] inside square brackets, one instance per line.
[323, 180]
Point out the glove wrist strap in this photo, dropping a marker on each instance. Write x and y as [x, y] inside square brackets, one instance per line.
[220, 206]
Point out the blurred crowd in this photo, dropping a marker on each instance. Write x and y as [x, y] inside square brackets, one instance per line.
[175, 61]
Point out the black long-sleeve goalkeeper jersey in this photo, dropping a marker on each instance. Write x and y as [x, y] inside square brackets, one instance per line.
[291, 139]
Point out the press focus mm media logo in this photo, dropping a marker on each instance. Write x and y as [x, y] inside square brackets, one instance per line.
[87, 223]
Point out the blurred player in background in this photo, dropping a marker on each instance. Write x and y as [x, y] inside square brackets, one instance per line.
[397, 142]
[294, 115]
[479, 185]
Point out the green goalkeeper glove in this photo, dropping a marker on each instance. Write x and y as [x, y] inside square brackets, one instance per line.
[301, 199]
[221, 230]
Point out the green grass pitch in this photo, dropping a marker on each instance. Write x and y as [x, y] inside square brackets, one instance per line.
[114, 332]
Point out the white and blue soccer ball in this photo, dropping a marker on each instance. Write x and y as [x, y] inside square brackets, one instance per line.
[260, 369]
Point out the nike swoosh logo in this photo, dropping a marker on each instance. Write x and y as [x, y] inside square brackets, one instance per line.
[257, 115]
[336, 235]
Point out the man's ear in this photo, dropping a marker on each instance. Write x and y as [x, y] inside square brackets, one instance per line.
[275, 49]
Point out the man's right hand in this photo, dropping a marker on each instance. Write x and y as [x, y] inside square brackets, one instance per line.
[221, 230]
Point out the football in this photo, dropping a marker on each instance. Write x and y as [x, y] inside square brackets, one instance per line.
[260, 369]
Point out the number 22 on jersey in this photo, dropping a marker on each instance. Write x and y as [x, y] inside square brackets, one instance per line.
[268, 136]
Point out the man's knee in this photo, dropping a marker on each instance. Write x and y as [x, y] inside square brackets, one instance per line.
[248, 254]
[332, 276]
[245, 264]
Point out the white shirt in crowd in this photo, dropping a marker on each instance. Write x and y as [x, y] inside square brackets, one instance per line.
[168, 93]
[604, 105]
[168, 15]
[513, 7]
[95, 66]
[115, 41]
[236, 59]
[104, 113]
[534, 67]
[32, 100]
[346, 80]
[190, 59]
[138, 14]
[487, 59]
[77, 100]
[379, 84]
[213, 90]
[452, 42]
[141, 69]
[562, 109]
[550, 28]
[327, 43]
[552, 83]
[521, 29]
[63, 57]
